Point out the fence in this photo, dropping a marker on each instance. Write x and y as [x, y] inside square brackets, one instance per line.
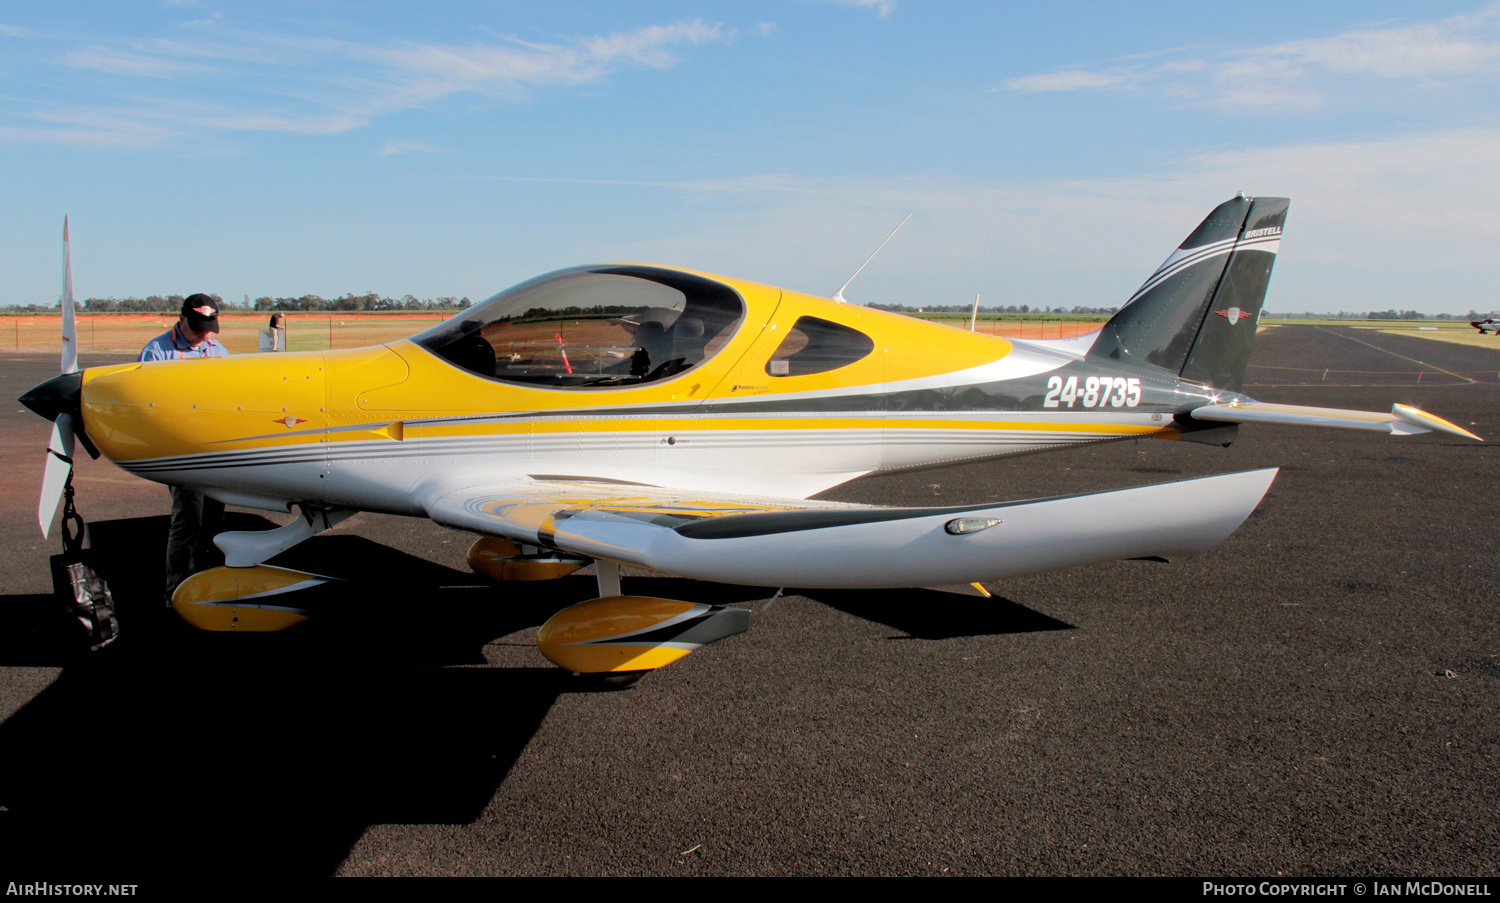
[240, 333]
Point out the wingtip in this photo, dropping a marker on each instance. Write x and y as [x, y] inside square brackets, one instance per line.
[1419, 417]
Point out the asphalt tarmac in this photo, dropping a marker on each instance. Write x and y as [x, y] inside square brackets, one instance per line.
[1319, 695]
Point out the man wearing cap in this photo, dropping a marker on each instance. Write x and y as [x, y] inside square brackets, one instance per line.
[195, 517]
[192, 336]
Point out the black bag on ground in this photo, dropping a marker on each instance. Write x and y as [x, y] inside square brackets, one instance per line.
[86, 598]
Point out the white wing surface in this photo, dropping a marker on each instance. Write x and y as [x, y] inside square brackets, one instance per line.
[794, 542]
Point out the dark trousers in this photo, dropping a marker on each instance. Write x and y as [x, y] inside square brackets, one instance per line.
[190, 549]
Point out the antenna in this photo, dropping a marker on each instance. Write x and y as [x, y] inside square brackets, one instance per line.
[983, 258]
[839, 295]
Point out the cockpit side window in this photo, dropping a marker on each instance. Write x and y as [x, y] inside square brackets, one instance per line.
[817, 346]
[592, 327]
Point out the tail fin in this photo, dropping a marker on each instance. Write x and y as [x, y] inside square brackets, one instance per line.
[1221, 269]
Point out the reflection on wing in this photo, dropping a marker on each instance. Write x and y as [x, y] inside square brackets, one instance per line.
[794, 542]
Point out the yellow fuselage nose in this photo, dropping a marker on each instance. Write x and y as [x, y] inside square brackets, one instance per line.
[170, 408]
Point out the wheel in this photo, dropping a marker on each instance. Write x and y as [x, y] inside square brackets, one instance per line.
[609, 680]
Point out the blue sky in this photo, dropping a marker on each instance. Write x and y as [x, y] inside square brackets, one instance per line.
[1053, 154]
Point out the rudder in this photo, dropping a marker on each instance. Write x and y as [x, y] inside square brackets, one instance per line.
[1222, 268]
[1221, 352]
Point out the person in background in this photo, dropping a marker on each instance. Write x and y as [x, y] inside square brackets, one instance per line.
[278, 331]
[195, 517]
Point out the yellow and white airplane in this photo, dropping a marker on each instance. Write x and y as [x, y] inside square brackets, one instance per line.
[626, 414]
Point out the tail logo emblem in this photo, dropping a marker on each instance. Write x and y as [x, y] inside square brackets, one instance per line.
[1234, 315]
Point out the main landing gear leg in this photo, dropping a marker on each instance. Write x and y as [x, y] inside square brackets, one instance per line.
[247, 548]
[608, 575]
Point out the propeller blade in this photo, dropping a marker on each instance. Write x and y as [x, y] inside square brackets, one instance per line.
[55, 475]
[69, 328]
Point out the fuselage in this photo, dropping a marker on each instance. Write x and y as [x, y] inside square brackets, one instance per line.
[378, 428]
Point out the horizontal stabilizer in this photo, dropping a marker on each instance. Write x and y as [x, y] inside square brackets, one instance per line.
[1403, 420]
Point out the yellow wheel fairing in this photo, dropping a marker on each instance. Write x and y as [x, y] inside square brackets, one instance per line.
[254, 599]
[228, 618]
[633, 633]
[501, 559]
[490, 548]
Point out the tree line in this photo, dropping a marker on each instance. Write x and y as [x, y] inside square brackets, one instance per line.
[1008, 309]
[369, 301]
[1377, 315]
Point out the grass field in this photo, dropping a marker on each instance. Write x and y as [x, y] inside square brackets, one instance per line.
[1458, 332]
[240, 333]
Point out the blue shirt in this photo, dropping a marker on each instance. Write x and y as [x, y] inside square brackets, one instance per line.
[171, 346]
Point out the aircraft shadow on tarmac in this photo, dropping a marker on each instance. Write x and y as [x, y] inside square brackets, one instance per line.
[179, 752]
[924, 614]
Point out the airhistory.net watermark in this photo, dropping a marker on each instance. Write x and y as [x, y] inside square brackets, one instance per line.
[46, 889]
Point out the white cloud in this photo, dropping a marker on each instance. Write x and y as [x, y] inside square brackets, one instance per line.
[120, 62]
[333, 124]
[1406, 222]
[14, 31]
[1452, 46]
[288, 83]
[433, 70]
[407, 147]
[1300, 75]
[86, 128]
[731, 185]
[1068, 80]
[882, 7]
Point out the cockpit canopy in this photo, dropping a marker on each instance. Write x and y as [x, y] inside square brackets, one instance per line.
[592, 327]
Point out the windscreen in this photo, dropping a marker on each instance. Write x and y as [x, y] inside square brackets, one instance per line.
[591, 327]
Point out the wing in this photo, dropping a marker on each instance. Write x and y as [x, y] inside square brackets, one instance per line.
[796, 542]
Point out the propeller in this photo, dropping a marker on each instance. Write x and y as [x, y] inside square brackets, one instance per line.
[59, 400]
[69, 326]
[58, 472]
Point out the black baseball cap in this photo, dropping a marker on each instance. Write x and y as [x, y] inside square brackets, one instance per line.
[202, 312]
